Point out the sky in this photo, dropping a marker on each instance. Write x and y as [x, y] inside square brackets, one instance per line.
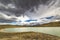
[13, 10]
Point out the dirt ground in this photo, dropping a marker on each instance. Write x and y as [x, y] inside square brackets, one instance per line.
[27, 36]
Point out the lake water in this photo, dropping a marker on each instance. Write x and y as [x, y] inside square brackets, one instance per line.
[47, 30]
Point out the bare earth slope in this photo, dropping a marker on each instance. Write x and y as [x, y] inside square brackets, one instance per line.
[27, 36]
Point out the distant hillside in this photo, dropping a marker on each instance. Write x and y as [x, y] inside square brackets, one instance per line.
[52, 24]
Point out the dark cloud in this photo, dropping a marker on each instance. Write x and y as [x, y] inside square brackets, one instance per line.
[29, 3]
[21, 5]
[18, 7]
[5, 1]
[6, 21]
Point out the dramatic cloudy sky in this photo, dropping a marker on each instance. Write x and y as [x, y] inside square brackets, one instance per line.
[12, 10]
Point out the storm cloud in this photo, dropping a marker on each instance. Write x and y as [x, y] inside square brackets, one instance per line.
[18, 7]
[11, 10]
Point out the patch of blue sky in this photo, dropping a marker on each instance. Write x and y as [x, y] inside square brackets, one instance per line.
[49, 17]
[14, 23]
[29, 20]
